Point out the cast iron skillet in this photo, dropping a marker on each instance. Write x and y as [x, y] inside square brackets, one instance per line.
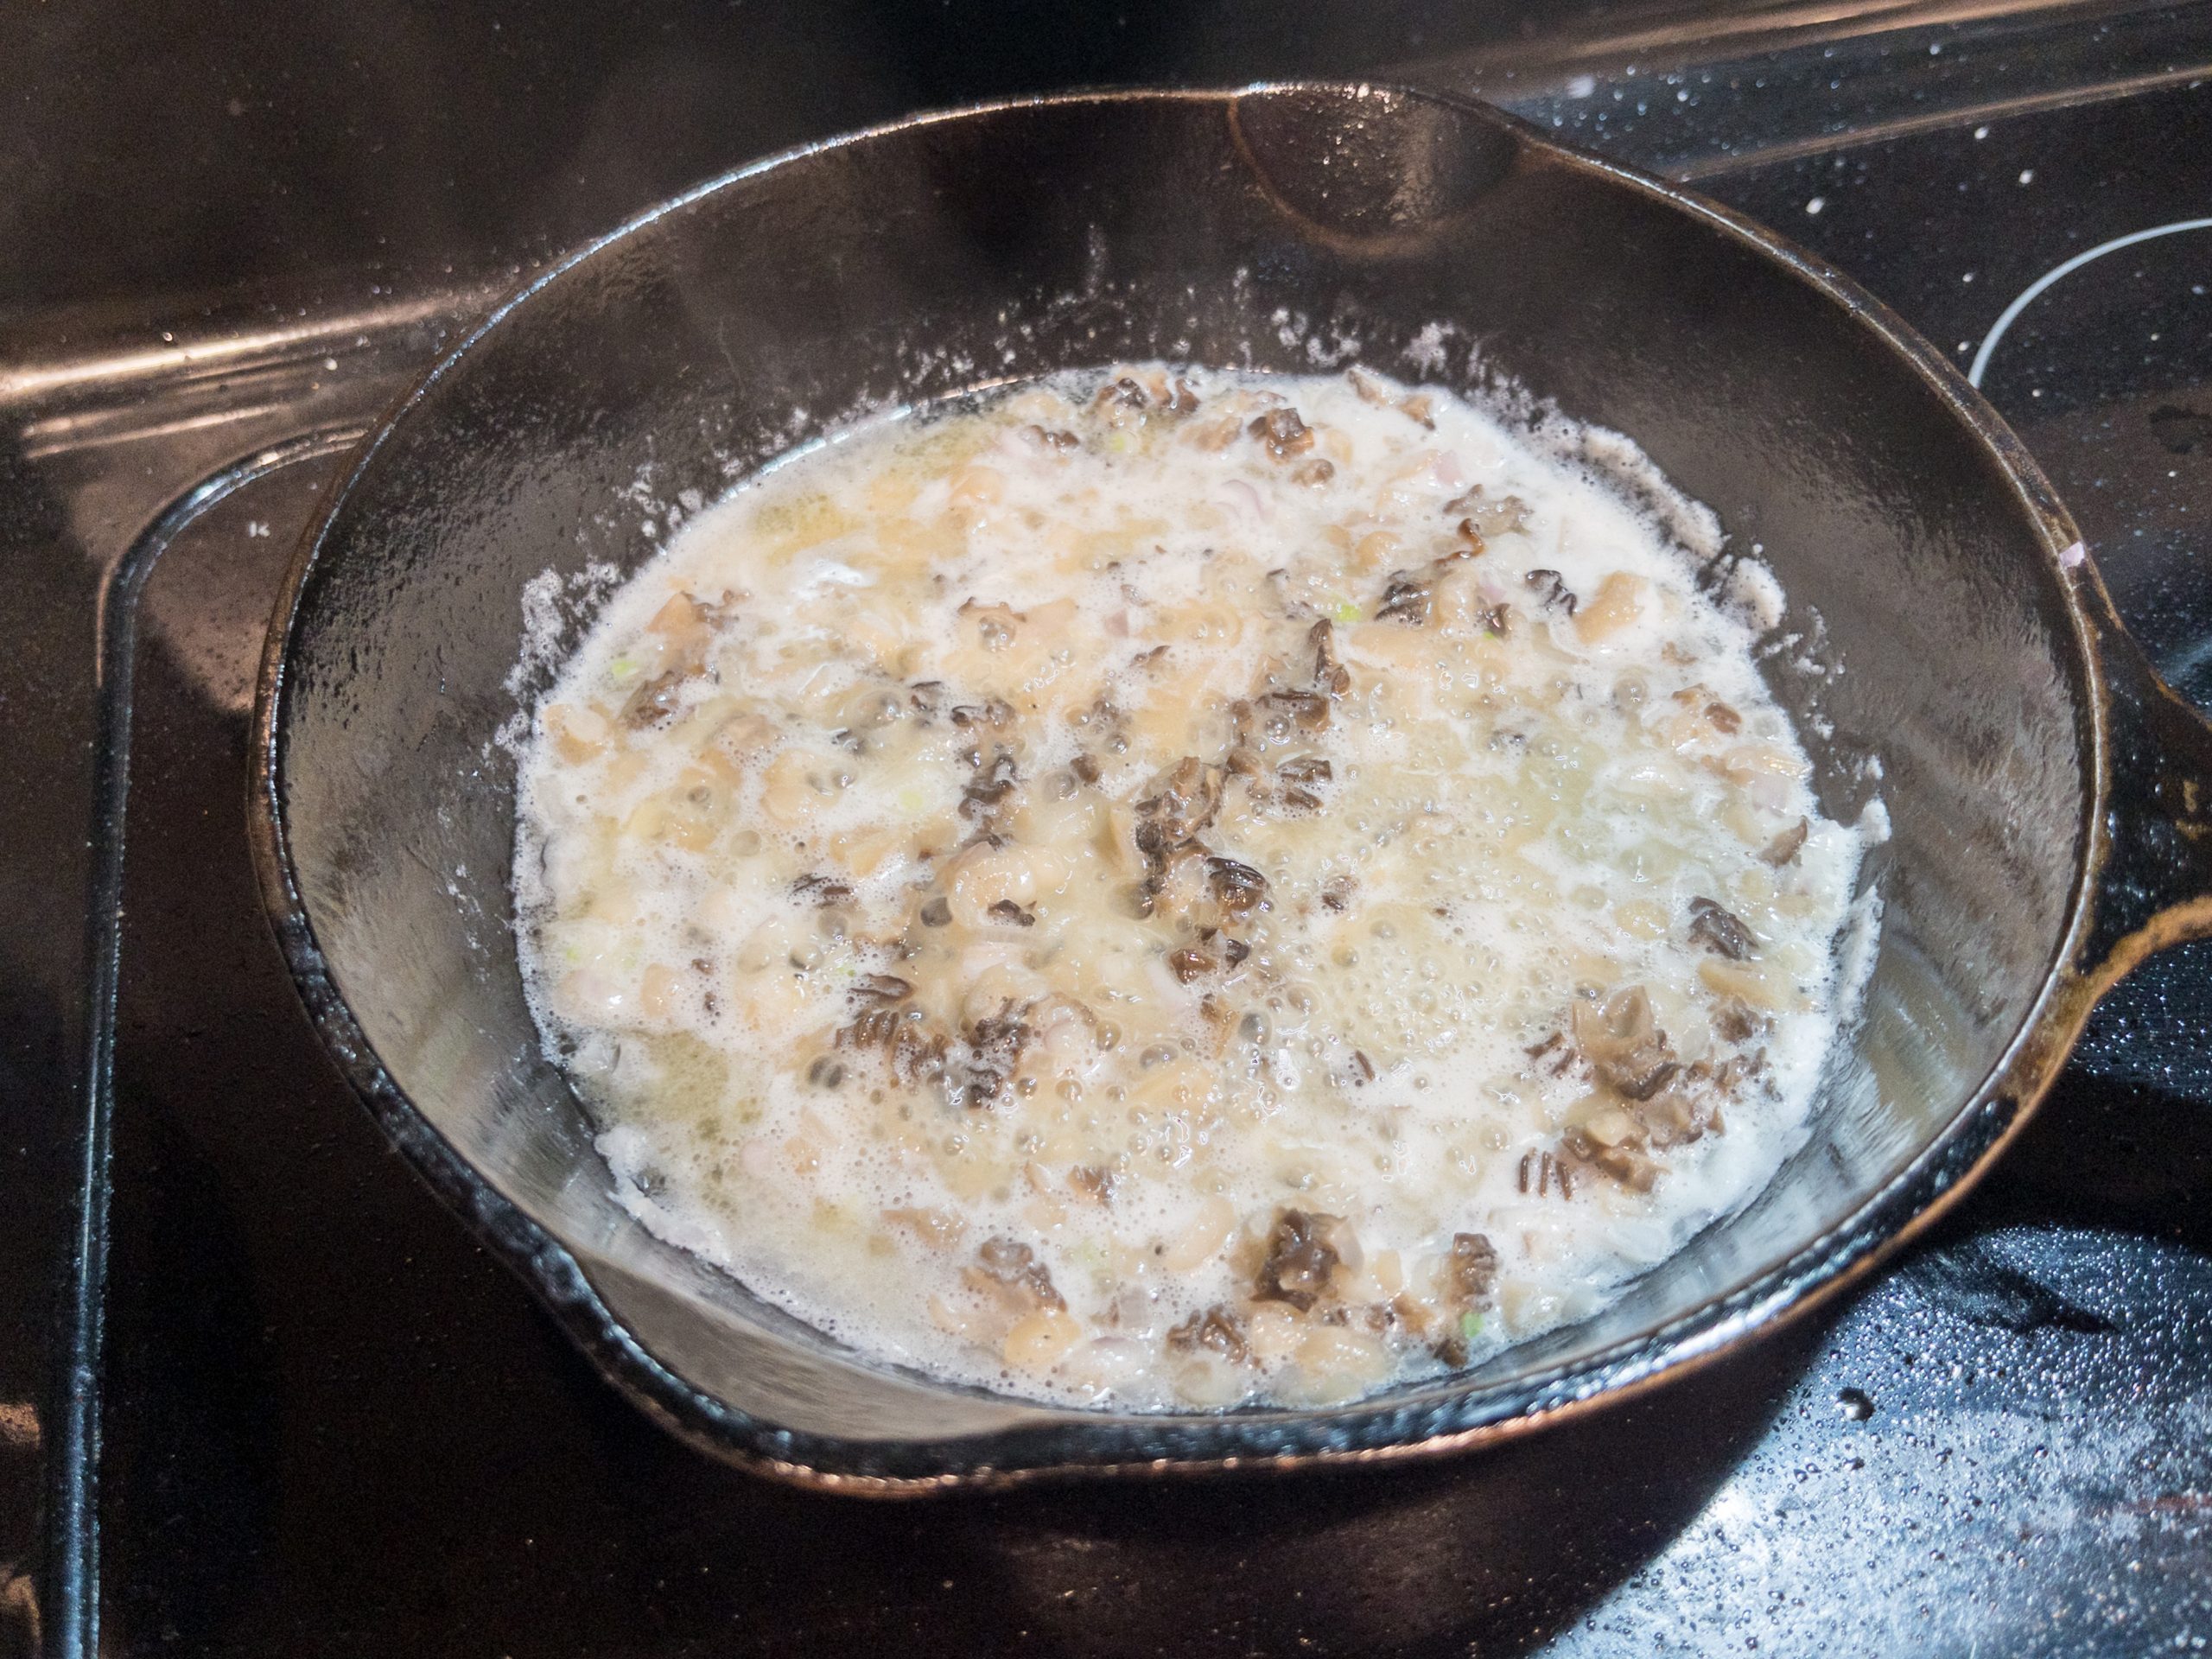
[2046, 793]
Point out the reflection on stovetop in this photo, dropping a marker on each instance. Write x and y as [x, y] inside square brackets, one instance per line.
[332, 1424]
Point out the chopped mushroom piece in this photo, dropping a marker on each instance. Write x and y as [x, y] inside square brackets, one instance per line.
[1218, 1330]
[1678, 1117]
[1787, 845]
[1299, 1262]
[1486, 517]
[1309, 709]
[1407, 599]
[1720, 930]
[1627, 1053]
[1094, 1182]
[1329, 674]
[1283, 433]
[823, 891]
[1012, 1271]
[1735, 1020]
[994, 781]
[1239, 887]
[1187, 798]
[1624, 1161]
[1192, 961]
[1552, 592]
[1472, 1269]
[655, 699]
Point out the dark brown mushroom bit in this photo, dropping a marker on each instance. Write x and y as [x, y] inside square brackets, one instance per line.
[1190, 962]
[1283, 431]
[1471, 1271]
[1219, 1330]
[1309, 710]
[1552, 591]
[1186, 800]
[1329, 675]
[1238, 887]
[1299, 1262]
[1787, 845]
[1407, 599]
[1013, 1268]
[1720, 930]
[1630, 1055]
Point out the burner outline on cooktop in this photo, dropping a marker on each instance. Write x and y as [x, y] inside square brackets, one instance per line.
[2035, 291]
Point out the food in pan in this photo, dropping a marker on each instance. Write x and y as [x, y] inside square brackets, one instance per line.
[1171, 888]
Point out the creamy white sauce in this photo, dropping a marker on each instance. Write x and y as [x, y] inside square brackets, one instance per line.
[1178, 889]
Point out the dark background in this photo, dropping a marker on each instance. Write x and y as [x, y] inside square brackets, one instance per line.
[183, 149]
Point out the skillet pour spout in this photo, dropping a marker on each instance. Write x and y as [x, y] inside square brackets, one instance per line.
[1947, 650]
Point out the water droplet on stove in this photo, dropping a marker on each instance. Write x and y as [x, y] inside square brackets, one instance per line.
[1858, 1405]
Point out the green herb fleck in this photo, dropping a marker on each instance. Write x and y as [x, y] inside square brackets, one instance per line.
[1471, 1327]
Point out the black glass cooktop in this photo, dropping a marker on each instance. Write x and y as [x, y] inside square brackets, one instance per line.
[299, 1412]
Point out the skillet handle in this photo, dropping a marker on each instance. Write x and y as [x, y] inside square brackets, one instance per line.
[2156, 887]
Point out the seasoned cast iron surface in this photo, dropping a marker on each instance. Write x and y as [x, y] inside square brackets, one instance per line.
[333, 1426]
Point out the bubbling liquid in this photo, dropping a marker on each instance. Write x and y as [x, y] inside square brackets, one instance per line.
[1173, 888]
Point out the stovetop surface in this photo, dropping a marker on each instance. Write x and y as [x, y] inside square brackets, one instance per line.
[326, 1422]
